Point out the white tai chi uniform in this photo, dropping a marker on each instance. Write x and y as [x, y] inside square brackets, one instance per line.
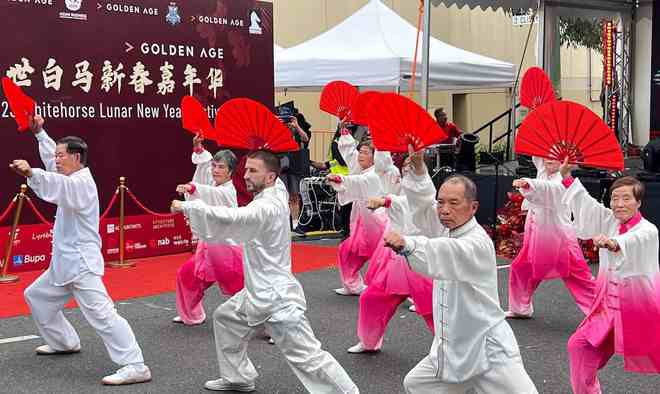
[473, 347]
[272, 297]
[76, 266]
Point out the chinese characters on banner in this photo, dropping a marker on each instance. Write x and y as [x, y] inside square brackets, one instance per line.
[112, 78]
[114, 74]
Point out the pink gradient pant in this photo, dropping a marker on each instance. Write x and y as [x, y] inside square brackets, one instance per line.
[376, 309]
[523, 284]
[225, 266]
[350, 264]
[357, 249]
[586, 359]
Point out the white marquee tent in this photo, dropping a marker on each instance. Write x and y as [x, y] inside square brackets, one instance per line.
[374, 48]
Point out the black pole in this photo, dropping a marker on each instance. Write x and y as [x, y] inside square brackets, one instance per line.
[497, 176]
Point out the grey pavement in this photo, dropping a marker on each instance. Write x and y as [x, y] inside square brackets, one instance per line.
[183, 358]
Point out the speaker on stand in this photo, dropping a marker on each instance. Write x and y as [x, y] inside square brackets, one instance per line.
[467, 158]
[651, 161]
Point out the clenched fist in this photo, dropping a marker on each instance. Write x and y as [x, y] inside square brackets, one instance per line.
[176, 206]
[394, 241]
[375, 202]
[417, 160]
[520, 184]
[36, 124]
[183, 188]
[604, 242]
[332, 178]
[21, 167]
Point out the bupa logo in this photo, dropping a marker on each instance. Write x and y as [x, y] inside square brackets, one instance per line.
[29, 259]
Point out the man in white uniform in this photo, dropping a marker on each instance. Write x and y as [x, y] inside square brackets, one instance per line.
[473, 347]
[76, 266]
[272, 298]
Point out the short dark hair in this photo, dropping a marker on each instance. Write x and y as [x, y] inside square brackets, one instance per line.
[75, 145]
[440, 111]
[469, 185]
[637, 186]
[228, 157]
[270, 160]
[368, 142]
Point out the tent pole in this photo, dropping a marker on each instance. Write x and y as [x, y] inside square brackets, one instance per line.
[425, 55]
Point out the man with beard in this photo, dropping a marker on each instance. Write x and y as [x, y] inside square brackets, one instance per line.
[272, 298]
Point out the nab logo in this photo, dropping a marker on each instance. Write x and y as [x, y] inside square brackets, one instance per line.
[17, 260]
[161, 242]
[110, 228]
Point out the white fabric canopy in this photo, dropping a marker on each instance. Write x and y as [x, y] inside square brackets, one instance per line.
[612, 5]
[485, 4]
[374, 48]
[598, 5]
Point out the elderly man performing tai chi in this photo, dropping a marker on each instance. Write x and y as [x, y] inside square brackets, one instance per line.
[272, 297]
[221, 263]
[474, 347]
[76, 266]
[625, 316]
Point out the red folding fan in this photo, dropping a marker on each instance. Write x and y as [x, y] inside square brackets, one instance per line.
[536, 89]
[246, 124]
[337, 98]
[21, 104]
[396, 121]
[195, 119]
[360, 109]
[561, 129]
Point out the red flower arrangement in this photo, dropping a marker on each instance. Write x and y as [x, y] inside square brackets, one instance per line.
[510, 229]
[510, 226]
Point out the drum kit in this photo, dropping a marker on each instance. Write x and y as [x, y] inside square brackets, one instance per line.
[441, 158]
[445, 159]
[319, 205]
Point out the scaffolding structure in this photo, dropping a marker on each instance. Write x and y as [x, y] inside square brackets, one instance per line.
[618, 94]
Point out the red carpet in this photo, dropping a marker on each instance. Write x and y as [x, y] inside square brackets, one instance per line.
[151, 276]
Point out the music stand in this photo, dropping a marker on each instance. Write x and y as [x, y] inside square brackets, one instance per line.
[445, 158]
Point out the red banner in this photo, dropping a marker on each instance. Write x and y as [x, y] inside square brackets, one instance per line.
[114, 74]
[145, 236]
[31, 249]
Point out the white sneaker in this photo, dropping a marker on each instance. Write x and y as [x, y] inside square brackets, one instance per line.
[45, 350]
[179, 320]
[223, 385]
[514, 315]
[412, 308]
[345, 292]
[271, 341]
[359, 348]
[130, 374]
